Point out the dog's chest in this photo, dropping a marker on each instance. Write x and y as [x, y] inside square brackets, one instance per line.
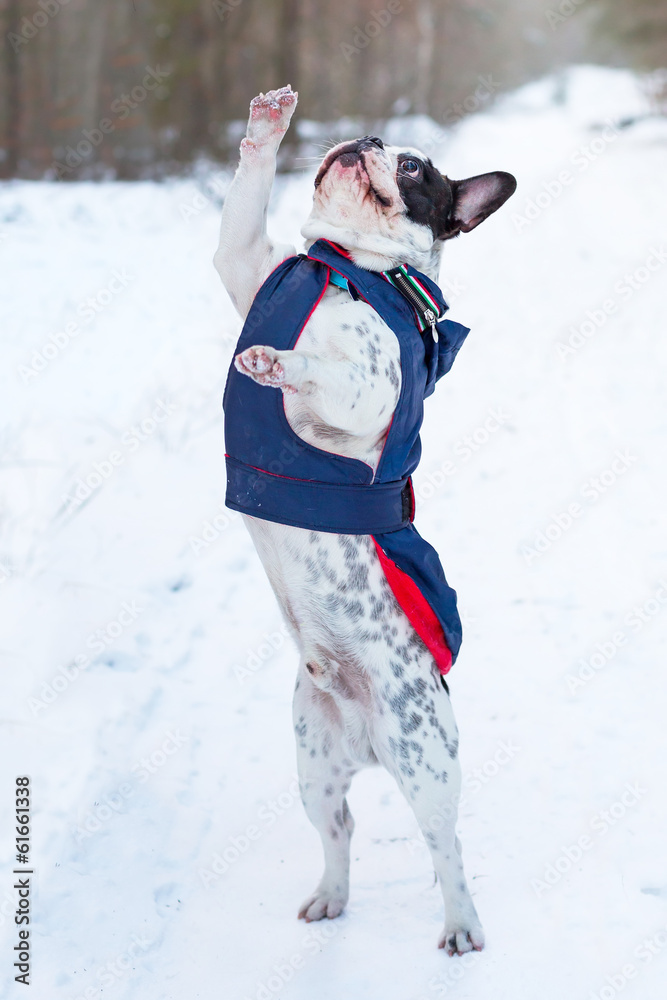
[343, 331]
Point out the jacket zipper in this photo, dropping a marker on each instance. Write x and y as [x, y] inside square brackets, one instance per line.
[408, 291]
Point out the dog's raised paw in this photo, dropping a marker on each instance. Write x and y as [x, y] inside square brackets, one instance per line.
[263, 366]
[459, 940]
[270, 113]
[256, 360]
[322, 904]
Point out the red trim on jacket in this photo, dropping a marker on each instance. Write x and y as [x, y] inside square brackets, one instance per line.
[421, 615]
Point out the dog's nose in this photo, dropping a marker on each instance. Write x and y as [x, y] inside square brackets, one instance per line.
[374, 139]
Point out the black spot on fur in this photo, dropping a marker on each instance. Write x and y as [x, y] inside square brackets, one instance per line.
[301, 728]
[438, 775]
[377, 610]
[409, 725]
[399, 701]
[313, 569]
[365, 635]
[392, 374]
[354, 610]
[350, 547]
[358, 579]
[403, 653]
[333, 603]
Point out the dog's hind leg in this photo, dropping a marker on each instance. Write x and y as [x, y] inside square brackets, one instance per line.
[325, 773]
[414, 736]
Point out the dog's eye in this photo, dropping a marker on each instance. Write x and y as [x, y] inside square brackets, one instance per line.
[411, 167]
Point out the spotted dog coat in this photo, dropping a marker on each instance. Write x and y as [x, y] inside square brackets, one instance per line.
[368, 691]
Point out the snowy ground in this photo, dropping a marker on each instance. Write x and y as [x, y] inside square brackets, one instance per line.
[148, 681]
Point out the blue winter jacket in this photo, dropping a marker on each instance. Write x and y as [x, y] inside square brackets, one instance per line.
[273, 474]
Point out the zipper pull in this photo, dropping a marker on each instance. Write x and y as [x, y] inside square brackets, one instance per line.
[430, 318]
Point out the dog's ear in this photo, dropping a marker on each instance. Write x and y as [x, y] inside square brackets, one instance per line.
[478, 197]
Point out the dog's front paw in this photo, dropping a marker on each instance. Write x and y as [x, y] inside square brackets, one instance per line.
[270, 116]
[263, 365]
[322, 904]
[459, 940]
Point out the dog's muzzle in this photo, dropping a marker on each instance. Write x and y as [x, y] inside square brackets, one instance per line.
[348, 153]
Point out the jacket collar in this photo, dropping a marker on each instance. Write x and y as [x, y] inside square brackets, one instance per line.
[422, 294]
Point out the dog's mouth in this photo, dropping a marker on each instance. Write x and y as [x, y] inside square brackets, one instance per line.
[353, 154]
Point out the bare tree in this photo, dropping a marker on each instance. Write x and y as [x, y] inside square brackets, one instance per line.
[10, 86]
[66, 68]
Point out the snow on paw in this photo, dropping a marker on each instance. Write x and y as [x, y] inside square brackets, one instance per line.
[270, 114]
[255, 360]
[321, 904]
[262, 365]
[459, 940]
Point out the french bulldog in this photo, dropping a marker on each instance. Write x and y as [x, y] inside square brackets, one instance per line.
[364, 696]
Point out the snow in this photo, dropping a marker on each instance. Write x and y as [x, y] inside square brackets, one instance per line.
[183, 660]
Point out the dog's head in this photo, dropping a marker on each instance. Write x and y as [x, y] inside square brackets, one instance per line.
[388, 205]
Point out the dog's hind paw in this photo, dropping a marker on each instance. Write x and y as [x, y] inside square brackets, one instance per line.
[322, 904]
[459, 940]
